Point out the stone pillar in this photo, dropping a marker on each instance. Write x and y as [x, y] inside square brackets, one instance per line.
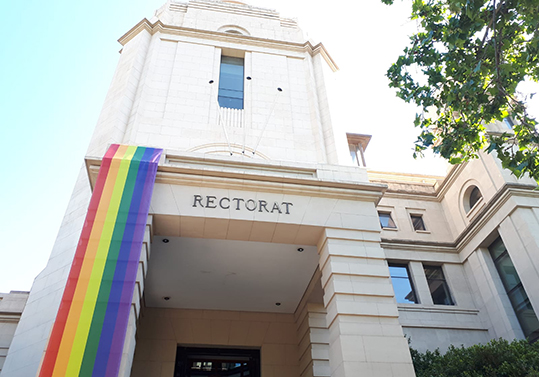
[313, 341]
[421, 285]
[520, 235]
[365, 336]
[495, 307]
[130, 341]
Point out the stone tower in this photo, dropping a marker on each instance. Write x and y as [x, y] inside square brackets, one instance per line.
[258, 248]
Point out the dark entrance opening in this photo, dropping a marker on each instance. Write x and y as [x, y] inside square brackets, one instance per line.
[217, 362]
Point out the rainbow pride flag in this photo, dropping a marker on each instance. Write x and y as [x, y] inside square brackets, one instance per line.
[88, 335]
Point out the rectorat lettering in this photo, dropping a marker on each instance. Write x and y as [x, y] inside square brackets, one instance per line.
[238, 204]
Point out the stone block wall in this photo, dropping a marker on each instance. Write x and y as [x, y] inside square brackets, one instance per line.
[162, 330]
[11, 306]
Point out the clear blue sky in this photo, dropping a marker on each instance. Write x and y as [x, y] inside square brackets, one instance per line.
[57, 60]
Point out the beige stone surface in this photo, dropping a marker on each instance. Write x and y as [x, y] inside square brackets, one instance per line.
[162, 330]
[281, 148]
[11, 307]
[358, 340]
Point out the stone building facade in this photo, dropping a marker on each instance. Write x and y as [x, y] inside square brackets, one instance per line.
[264, 255]
[11, 307]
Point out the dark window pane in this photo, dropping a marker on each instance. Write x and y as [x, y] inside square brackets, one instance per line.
[231, 83]
[417, 221]
[404, 292]
[212, 362]
[475, 195]
[386, 221]
[497, 248]
[433, 273]
[528, 320]
[517, 295]
[507, 272]
[438, 287]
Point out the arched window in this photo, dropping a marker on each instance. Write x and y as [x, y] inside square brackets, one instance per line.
[472, 196]
[233, 29]
[475, 195]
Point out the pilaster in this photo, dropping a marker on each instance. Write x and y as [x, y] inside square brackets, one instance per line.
[420, 283]
[136, 305]
[520, 235]
[313, 341]
[365, 336]
[496, 305]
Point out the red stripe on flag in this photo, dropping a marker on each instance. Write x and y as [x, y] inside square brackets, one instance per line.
[55, 339]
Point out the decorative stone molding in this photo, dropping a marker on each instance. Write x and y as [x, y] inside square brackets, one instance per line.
[216, 36]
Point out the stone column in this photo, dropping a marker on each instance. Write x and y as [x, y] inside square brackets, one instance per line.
[313, 341]
[520, 235]
[365, 336]
[130, 341]
[421, 285]
[495, 305]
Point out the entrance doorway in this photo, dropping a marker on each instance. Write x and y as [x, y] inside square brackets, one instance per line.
[217, 362]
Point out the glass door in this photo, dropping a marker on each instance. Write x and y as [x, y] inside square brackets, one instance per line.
[217, 362]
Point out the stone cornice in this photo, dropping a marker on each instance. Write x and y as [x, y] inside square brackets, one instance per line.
[10, 317]
[490, 210]
[439, 190]
[243, 9]
[487, 212]
[159, 27]
[419, 245]
[257, 180]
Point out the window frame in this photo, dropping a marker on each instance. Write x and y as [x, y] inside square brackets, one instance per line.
[409, 279]
[420, 217]
[517, 306]
[469, 209]
[227, 80]
[444, 284]
[382, 212]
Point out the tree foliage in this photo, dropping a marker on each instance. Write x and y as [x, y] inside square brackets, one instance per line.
[466, 61]
[498, 358]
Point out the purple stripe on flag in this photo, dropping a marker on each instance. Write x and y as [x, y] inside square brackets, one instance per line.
[122, 320]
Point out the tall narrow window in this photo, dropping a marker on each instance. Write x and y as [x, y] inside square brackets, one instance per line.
[231, 83]
[513, 286]
[438, 287]
[402, 285]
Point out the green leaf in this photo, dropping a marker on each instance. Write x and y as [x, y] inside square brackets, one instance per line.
[472, 74]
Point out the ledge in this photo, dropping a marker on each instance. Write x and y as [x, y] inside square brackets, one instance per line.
[159, 27]
[447, 309]
[430, 322]
[444, 327]
[484, 214]
[270, 176]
